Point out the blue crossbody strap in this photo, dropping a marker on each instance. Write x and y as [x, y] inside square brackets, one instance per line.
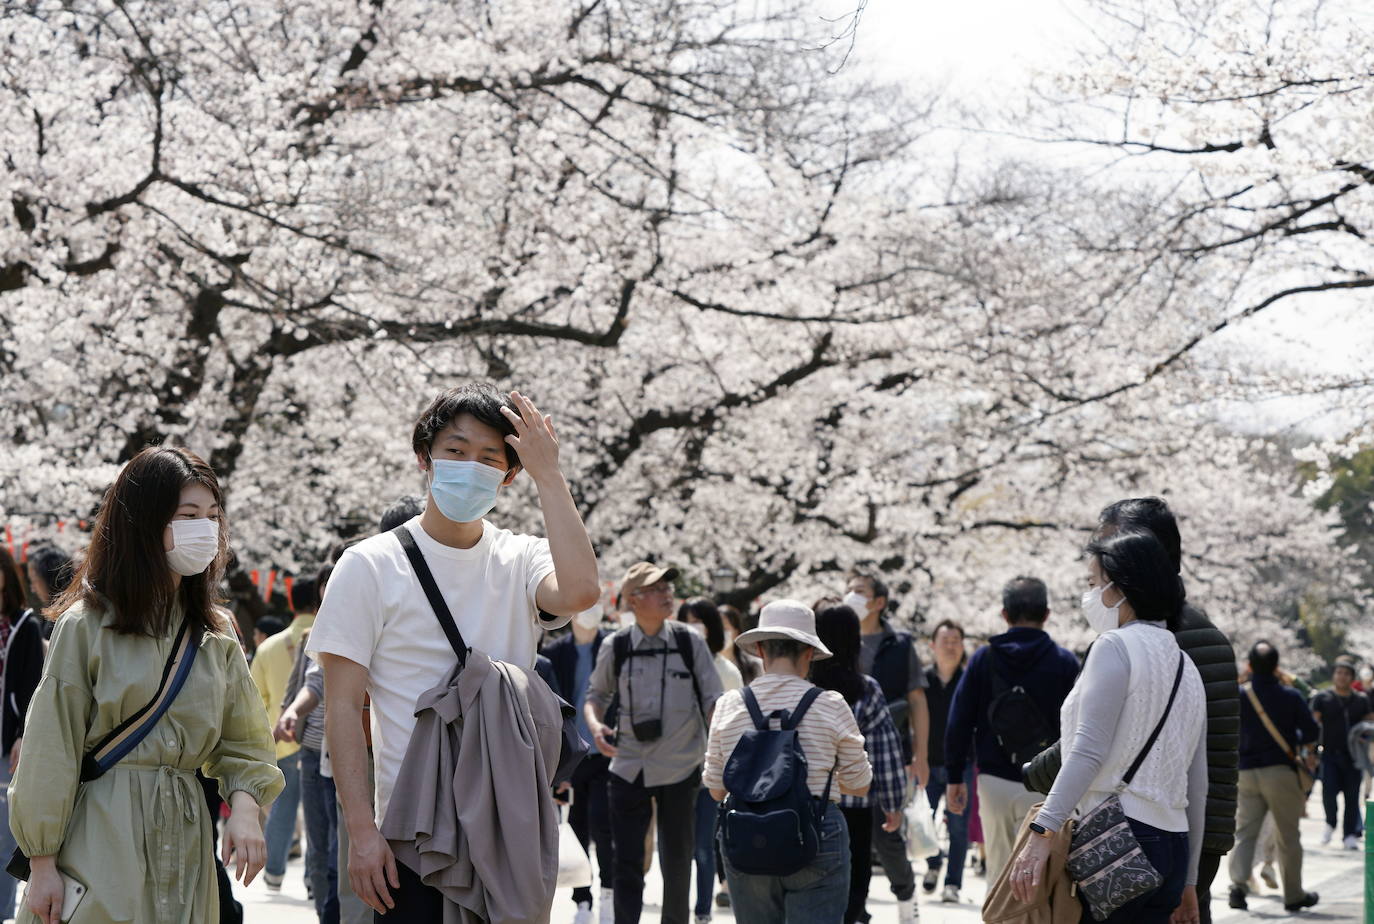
[118, 744]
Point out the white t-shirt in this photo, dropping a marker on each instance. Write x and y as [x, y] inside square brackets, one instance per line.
[375, 613]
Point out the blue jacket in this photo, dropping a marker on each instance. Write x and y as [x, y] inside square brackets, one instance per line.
[562, 655]
[1287, 710]
[1025, 656]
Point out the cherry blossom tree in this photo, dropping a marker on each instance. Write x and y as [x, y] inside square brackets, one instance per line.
[775, 334]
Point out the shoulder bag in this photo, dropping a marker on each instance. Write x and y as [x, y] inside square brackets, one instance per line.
[573, 747]
[117, 745]
[1305, 779]
[1105, 859]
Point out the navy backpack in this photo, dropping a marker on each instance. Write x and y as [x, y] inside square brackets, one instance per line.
[769, 822]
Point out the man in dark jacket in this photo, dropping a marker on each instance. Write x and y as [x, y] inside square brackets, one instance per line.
[1007, 702]
[1269, 781]
[1211, 651]
[1338, 710]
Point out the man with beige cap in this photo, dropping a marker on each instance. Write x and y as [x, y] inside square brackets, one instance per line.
[786, 640]
[660, 676]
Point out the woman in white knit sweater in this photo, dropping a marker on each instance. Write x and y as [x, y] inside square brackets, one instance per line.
[1134, 598]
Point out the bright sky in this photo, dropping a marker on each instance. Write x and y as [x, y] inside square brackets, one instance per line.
[970, 47]
[985, 52]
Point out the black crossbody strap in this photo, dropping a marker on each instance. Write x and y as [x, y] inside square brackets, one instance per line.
[436, 599]
[1145, 751]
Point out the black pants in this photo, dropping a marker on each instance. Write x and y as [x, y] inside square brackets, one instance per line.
[590, 817]
[1207, 866]
[414, 900]
[891, 849]
[631, 811]
[230, 911]
[860, 823]
[1340, 777]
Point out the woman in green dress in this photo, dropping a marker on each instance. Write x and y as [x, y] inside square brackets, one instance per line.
[139, 837]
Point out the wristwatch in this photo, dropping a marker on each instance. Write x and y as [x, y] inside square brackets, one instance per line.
[1039, 830]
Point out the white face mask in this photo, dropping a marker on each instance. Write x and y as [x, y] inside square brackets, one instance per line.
[1101, 617]
[697, 627]
[195, 543]
[589, 619]
[856, 602]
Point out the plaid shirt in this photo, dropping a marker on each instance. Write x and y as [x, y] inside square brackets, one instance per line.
[884, 752]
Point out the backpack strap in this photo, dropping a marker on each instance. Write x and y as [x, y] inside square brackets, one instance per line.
[995, 683]
[620, 651]
[751, 702]
[682, 639]
[799, 712]
[682, 644]
[436, 599]
[1140, 758]
[825, 794]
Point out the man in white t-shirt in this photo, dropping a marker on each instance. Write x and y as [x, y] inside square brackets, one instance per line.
[377, 634]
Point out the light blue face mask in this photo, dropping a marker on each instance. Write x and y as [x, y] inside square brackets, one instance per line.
[464, 491]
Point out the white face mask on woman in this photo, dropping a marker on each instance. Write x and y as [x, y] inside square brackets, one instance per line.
[1101, 617]
[856, 602]
[195, 543]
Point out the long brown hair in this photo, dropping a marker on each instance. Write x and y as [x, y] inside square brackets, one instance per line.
[126, 569]
[12, 596]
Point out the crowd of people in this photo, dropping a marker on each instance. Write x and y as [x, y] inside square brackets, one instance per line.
[445, 688]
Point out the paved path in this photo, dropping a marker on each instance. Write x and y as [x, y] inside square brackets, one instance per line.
[1334, 873]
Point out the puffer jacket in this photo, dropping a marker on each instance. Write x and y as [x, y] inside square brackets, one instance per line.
[1211, 651]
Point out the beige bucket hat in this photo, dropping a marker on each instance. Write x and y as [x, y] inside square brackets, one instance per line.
[787, 619]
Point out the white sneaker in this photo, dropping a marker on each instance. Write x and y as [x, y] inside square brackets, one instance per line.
[584, 913]
[607, 906]
[1352, 843]
[907, 912]
[950, 894]
[1326, 835]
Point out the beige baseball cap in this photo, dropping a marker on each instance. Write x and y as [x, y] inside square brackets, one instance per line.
[643, 574]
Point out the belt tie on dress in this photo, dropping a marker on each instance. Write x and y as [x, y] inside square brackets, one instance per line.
[182, 787]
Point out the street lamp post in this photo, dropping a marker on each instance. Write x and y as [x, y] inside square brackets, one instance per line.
[723, 580]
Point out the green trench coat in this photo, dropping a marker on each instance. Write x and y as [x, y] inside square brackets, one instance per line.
[139, 838]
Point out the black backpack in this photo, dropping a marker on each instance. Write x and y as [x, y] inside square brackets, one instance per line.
[1015, 719]
[769, 822]
[621, 652]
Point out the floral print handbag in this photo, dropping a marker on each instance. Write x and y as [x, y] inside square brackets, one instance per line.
[1105, 859]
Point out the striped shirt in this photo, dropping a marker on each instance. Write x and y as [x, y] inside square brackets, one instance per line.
[829, 735]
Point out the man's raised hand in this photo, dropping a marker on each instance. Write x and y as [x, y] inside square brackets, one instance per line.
[534, 438]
